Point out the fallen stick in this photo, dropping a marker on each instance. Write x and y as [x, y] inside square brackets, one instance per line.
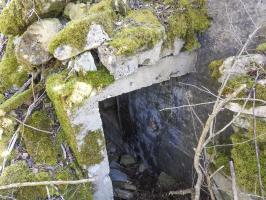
[45, 183]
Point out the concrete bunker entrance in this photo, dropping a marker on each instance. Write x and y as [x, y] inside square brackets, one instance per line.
[134, 173]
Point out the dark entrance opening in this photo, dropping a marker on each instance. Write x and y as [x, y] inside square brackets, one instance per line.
[133, 170]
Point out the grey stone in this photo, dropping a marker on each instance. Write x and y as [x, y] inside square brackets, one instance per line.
[165, 181]
[127, 160]
[76, 10]
[117, 175]
[123, 194]
[236, 66]
[95, 37]
[32, 46]
[124, 185]
[122, 66]
[83, 63]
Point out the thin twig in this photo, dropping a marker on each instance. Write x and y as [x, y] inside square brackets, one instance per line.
[233, 176]
[45, 183]
[256, 145]
[31, 127]
[181, 192]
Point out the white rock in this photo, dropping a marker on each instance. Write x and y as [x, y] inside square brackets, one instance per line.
[259, 111]
[83, 63]
[121, 66]
[95, 37]
[240, 66]
[32, 46]
[76, 11]
[177, 46]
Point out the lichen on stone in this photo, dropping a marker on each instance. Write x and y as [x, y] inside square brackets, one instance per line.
[144, 32]
[39, 144]
[11, 72]
[189, 19]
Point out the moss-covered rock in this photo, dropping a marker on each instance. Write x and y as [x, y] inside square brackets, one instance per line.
[61, 94]
[15, 18]
[143, 32]
[32, 46]
[189, 19]
[91, 149]
[19, 173]
[76, 38]
[18, 99]
[11, 73]
[73, 192]
[245, 162]
[39, 144]
[235, 83]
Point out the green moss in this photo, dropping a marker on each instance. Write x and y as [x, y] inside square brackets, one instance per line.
[17, 100]
[58, 91]
[11, 74]
[249, 81]
[73, 192]
[2, 98]
[39, 144]
[220, 157]
[15, 18]
[144, 32]
[19, 173]
[100, 78]
[54, 89]
[260, 130]
[188, 19]
[245, 163]
[261, 47]
[91, 150]
[214, 68]
[75, 32]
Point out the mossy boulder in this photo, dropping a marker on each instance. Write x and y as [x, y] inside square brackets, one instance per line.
[15, 17]
[12, 74]
[84, 34]
[188, 19]
[143, 32]
[32, 47]
[137, 42]
[39, 144]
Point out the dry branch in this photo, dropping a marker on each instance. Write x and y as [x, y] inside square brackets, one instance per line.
[45, 183]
